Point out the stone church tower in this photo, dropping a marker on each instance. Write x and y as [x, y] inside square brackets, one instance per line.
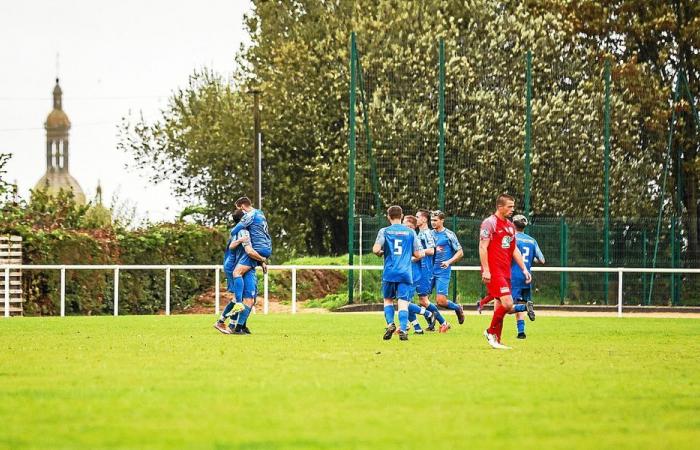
[57, 176]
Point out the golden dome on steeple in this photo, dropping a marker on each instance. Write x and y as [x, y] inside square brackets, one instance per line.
[57, 118]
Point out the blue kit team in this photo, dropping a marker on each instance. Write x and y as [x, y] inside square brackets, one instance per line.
[520, 290]
[248, 247]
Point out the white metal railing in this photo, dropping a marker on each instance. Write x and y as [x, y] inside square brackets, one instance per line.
[294, 269]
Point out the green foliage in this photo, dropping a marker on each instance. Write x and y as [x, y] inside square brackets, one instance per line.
[57, 231]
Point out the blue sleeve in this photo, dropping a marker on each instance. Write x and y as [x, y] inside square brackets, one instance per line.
[453, 241]
[245, 221]
[380, 238]
[429, 240]
[417, 247]
[242, 234]
[538, 253]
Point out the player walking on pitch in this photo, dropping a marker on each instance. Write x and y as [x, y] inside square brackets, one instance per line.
[397, 243]
[521, 290]
[497, 249]
[447, 252]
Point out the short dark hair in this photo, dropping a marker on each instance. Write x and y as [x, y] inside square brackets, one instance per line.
[423, 212]
[411, 219]
[394, 212]
[243, 201]
[237, 215]
[503, 198]
[439, 214]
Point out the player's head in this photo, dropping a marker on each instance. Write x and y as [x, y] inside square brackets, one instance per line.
[505, 204]
[520, 222]
[394, 213]
[243, 202]
[237, 215]
[410, 222]
[422, 216]
[437, 219]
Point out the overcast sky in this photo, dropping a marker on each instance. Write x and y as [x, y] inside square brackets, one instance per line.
[114, 57]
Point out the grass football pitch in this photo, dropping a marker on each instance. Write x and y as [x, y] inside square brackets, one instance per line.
[329, 381]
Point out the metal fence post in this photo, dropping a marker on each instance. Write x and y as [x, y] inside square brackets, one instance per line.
[7, 292]
[528, 130]
[606, 180]
[563, 255]
[351, 165]
[441, 126]
[167, 291]
[294, 289]
[63, 291]
[217, 294]
[116, 291]
[360, 250]
[266, 293]
[619, 292]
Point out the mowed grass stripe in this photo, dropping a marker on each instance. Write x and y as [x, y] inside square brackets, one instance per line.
[329, 381]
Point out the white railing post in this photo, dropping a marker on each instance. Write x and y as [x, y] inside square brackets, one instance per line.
[266, 294]
[217, 294]
[360, 249]
[7, 292]
[619, 292]
[63, 291]
[167, 291]
[116, 291]
[294, 289]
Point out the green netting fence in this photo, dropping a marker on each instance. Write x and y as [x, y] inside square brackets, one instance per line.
[589, 148]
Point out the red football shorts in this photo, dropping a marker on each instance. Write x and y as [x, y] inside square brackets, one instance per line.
[499, 286]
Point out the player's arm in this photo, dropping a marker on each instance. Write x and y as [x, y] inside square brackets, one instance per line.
[484, 259]
[518, 258]
[539, 257]
[250, 251]
[430, 243]
[243, 224]
[418, 252]
[378, 247]
[459, 253]
[235, 243]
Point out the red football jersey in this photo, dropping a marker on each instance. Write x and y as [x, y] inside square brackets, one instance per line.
[502, 245]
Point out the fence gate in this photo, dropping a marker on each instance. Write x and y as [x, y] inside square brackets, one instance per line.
[11, 253]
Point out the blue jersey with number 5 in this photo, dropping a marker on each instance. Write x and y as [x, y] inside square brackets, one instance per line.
[398, 242]
[530, 250]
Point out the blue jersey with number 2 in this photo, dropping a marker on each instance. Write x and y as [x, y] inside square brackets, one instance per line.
[530, 250]
[398, 242]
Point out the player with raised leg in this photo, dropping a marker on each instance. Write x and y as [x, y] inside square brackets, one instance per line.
[497, 249]
[447, 252]
[397, 243]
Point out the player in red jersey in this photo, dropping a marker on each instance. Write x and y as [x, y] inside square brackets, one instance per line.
[496, 251]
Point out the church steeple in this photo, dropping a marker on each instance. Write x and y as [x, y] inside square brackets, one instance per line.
[57, 95]
[57, 126]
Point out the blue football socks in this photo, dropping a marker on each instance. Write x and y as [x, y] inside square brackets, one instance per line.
[433, 309]
[389, 314]
[403, 320]
[238, 288]
[452, 305]
[521, 326]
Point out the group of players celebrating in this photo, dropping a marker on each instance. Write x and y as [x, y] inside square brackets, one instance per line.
[420, 263]
[418, 260]
[248, 247]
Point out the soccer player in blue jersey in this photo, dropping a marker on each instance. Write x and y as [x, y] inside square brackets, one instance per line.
[416, 265]
[425, 283]
[397, 243]
[237, 247]
[447, 252]
[520, 290]
[255, 222]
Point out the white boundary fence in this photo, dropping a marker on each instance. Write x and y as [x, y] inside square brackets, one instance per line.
[294, 269]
